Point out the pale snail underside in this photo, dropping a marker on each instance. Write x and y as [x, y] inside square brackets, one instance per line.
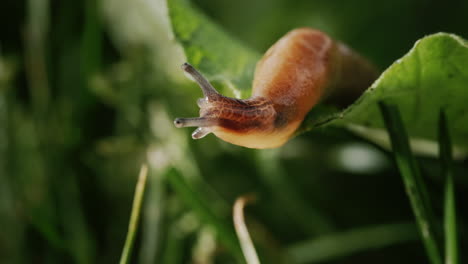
[301, 69]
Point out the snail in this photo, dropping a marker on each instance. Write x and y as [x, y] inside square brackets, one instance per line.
[300, 70]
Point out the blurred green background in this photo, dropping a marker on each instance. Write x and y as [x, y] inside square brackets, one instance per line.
[88, 92]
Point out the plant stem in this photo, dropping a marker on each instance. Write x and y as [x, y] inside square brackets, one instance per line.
[135, 215]
[414, 185]
[450, 221]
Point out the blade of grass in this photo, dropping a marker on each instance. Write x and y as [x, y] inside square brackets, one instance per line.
[135, 215]
[153, 214]
[412, 180]
[35, 54]
[32, 147]
[333, 246]
[78, 239]
[450, 222]
[246, 243]
[223, 230]
[173, 246]
[92, 38]
[11, 237]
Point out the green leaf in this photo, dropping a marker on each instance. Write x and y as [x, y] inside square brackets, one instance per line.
[432, 75]
[414, 184]
[217, 55]
[450, 223]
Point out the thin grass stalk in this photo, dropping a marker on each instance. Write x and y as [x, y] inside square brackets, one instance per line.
[450, 217]
[135, 215]
[412, 180]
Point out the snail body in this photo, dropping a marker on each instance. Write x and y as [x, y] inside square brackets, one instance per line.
[298, 71]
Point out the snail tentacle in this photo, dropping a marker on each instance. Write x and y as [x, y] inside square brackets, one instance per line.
[208, 90]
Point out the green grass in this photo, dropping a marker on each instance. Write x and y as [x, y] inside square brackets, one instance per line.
[83, 86]
[338, 245]
[417, 191]
[450, 216]
[135, 215]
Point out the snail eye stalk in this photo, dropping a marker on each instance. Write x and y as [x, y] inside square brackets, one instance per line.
[194, 122]
[208, 90]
